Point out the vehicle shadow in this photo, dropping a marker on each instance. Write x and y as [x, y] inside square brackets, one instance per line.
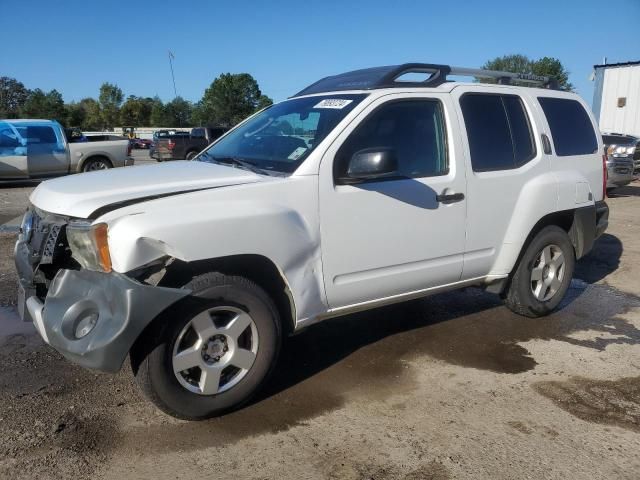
[632, 190]
[8, 184]
[603, 259]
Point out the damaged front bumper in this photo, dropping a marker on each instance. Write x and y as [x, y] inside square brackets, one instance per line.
[94, 318]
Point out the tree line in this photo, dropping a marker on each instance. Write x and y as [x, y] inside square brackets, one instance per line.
[229, 99]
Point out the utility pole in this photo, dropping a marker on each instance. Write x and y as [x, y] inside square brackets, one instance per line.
[171, 57]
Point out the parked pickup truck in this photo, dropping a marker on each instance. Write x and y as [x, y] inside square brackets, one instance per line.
[623, 158]
[179, 146]
[359, 191]
[40, 149]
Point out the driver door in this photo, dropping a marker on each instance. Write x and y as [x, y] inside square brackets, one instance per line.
[388, 238]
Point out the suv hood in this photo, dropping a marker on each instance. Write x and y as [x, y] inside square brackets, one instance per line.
[81, 195]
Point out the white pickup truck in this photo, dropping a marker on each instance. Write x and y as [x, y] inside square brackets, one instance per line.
[361, 190]
[31, 149]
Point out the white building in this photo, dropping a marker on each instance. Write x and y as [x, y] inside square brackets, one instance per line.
[616, 97]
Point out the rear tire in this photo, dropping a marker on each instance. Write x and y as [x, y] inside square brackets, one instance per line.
[96, 163]
[197, 363]
[543, 275]
[191, 155]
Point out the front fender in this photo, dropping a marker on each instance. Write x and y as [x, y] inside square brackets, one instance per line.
[208, 225]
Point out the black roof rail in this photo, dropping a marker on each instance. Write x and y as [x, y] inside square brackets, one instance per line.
[390, 77]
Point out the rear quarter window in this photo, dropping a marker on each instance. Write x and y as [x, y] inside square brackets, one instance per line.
[571, 127]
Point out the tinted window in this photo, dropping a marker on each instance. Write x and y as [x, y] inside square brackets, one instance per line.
[40, 135]
[618, 140]
[499, 132]
[197, 133]
[413, 129]
[570, 126]
[523, 147]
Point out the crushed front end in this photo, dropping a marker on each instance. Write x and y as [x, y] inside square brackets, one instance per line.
[92, 317]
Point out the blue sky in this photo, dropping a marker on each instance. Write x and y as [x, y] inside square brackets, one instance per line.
[75, 46]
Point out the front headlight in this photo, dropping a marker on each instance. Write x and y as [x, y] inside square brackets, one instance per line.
[620, 150]
[89, 246]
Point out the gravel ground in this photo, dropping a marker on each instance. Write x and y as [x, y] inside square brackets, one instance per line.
[453, 386]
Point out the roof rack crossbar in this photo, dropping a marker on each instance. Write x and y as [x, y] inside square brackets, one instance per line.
[506, 77]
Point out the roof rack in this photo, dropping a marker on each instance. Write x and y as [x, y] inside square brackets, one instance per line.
[390, 77]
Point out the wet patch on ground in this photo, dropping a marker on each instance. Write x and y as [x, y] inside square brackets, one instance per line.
[368, 356]
[607, 402]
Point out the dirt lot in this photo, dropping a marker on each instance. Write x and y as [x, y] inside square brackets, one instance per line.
[453, 386]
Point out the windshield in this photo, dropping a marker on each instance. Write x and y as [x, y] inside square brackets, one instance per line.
[280, 138]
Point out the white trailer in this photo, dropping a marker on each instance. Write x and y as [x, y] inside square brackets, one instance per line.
[616, 97]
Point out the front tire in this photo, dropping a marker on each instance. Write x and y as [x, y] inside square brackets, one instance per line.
[543, 275]
[213, 351]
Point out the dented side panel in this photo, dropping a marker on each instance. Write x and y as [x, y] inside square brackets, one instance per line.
[276, 219]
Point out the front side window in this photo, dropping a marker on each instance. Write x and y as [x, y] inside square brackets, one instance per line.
[413, 129]
[498, 130]
[570, 125]
[281, 137]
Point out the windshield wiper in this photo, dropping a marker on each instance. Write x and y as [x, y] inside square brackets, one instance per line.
[240, 163]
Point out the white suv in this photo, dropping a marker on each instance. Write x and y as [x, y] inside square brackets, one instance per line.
[364, 189]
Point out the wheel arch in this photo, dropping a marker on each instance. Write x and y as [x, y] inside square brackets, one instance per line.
[257, 268]
[572, 221]
[94, 156]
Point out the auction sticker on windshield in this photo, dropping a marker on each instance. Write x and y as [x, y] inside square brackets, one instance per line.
[333, 103]
[297, 153]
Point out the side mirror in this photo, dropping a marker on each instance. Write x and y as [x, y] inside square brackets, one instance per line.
[371, 164]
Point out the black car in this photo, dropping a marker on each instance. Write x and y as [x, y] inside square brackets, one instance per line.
[621, 146]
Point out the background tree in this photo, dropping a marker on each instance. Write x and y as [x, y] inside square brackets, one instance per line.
[264, 102]
[76, 114]
[136, 111]
[93, 114]
[158, 116]
[110, 99]
[178, 112]
[546, 66]
[49, 106]
[553, 67]
[13, 94]
[230, 99]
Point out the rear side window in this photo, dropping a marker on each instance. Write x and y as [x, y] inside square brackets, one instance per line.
[570, 126]
[499, 131]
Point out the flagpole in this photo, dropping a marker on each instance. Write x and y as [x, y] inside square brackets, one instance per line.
[175, 92]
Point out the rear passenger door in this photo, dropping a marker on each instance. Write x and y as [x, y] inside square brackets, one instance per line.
[47, 152]
[504, 158]
[577, 147]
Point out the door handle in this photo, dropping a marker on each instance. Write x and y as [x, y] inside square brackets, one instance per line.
[449, 197]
